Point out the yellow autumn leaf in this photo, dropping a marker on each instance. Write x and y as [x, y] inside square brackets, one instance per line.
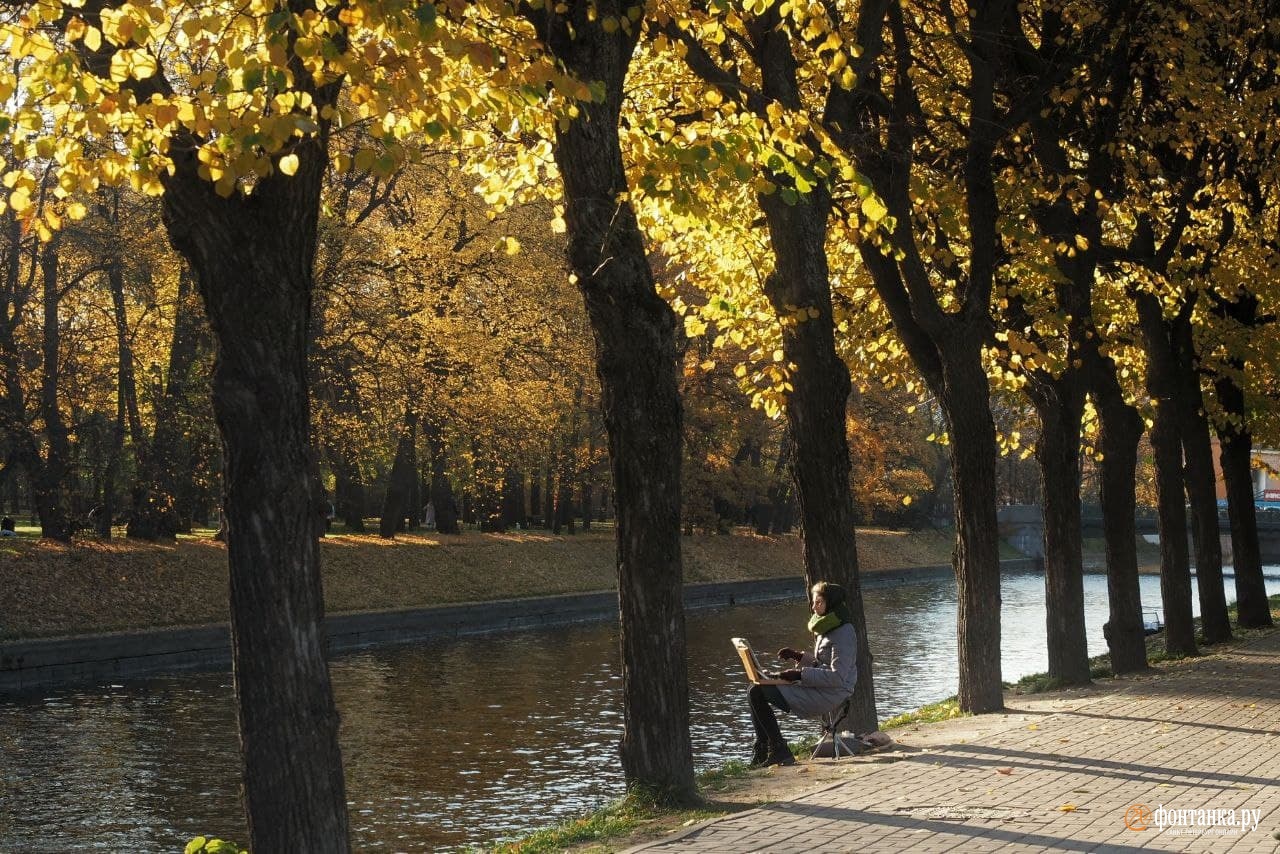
[873, 209]
[289, 164]
[20, 200]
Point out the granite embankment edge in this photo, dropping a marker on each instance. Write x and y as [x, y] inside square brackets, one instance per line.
[41, 663]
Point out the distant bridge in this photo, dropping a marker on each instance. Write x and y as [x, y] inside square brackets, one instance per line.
[1022, 526]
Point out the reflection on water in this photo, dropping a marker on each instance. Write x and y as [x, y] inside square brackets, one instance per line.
[457, 742]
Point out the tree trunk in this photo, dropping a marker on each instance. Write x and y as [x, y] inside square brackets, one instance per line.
[126, 404]
[1166, 445]
[106, 507]
[549, 492]
[585, 486]
[564, 500]
[513, 499]
[636, 361]
[1060, 404]
[155, 512]
[535, 494]
[400, 481]
[1121, 429]
[966, 404]
[413, 512]
[816, 409]
[779, 511]
[124, 349]
[348, 489]
[441, 489]
[14, 299]
[253, 256]
[1215, 623]
[944, 343]
[105, 510]
[49, 480]
[1235, 453]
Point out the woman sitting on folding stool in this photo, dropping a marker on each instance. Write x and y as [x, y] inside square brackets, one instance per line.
[820, 681]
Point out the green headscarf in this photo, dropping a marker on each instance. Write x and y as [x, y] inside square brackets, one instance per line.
[838, 612]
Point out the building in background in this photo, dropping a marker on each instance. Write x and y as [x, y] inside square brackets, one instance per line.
[1266, 478]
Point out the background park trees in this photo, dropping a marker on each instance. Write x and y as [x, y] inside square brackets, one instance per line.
[957, 206]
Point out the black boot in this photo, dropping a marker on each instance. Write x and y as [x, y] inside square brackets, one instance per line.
[760, 749]
[779, 754]
[768, 735]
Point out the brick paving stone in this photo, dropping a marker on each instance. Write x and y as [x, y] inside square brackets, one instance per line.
[1061, 776]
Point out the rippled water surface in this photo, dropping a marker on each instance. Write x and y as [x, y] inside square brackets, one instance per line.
[459, 742]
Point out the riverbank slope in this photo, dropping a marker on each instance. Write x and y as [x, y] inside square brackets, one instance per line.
[47, 589]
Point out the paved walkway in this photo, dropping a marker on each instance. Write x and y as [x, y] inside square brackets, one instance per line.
[1058, 773]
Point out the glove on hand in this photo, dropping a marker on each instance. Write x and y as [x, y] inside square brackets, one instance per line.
[788, 652]
[790, 675]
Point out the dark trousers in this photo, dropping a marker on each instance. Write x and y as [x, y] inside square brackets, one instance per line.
[762, 700]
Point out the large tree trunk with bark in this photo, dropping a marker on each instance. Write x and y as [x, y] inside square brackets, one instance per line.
[636, 361]
[1235, 453]
[966, 405]
[1166, 446]
[1060, 404]
[252, 257]
[816, 415]
[1121, 428]
[1215, 623]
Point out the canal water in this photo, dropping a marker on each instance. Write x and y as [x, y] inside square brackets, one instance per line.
[460, 742]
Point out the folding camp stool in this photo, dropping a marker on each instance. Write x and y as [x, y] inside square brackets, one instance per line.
[831, 723]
